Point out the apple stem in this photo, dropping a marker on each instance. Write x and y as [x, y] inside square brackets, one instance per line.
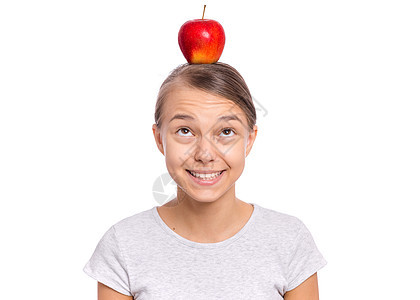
[203, 12]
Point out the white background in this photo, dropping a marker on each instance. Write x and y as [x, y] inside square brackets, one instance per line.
[339, 147]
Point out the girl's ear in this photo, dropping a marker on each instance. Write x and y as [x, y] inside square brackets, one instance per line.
[158, 138]
[251, 138]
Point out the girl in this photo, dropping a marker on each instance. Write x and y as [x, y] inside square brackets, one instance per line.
[206, 243]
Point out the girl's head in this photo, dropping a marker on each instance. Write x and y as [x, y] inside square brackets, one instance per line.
[205, 122]
[219, 78]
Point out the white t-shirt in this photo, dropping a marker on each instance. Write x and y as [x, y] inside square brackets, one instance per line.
[141, 256]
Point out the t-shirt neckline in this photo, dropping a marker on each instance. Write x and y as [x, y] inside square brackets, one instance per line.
[223, 243]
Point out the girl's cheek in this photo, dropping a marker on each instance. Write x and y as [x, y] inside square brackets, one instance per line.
[182, 139]
[179, 152]
[234, 144]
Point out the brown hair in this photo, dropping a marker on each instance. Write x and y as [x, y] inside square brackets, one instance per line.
[216, 78]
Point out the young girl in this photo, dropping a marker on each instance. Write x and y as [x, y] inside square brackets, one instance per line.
[206, 243]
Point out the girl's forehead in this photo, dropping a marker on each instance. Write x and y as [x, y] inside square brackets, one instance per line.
[199, 105]
[192, 104]
[203, 108]
[182, 97]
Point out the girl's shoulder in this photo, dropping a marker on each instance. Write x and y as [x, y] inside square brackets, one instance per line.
[137, 222]
[278, 218]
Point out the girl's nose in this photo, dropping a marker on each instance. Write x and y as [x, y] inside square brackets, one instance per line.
[205, 150]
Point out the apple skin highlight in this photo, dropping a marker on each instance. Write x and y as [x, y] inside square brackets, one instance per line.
[201, 41]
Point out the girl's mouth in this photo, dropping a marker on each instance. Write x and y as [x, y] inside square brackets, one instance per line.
[206, 179]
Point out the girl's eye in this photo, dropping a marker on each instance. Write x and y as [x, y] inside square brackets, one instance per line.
[227, 130]
[184, 130]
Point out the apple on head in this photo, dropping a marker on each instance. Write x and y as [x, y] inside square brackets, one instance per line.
[201, 40]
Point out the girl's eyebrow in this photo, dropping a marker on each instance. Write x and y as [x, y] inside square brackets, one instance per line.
[221, 118]
[182, 117]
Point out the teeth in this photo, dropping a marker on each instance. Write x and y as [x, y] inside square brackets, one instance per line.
[206, 176]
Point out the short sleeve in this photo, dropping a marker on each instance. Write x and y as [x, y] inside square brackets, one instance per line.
[305, 258]
[107, 264]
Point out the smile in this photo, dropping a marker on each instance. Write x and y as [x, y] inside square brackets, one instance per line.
[205, 178]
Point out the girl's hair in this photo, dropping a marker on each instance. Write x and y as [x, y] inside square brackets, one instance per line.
[217, 78]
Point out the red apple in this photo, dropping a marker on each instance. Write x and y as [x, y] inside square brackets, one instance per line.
[201, 41]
